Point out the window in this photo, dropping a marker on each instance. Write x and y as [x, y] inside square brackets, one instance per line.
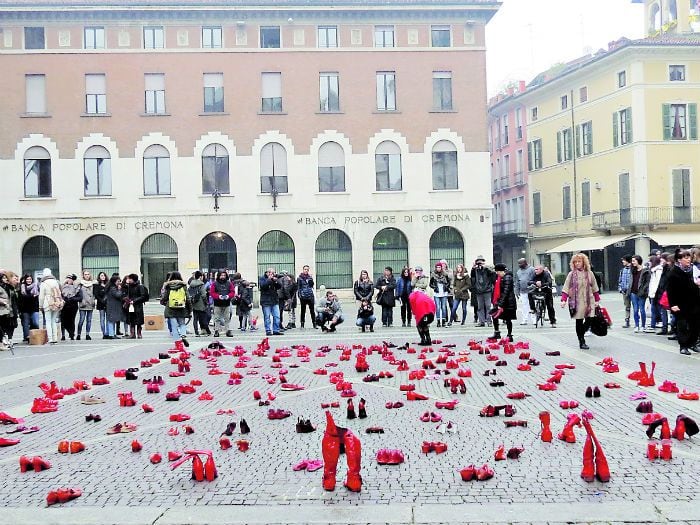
[270, 37]
[566, 202]
[681, 188]
[213, 92]
[676, 73]
[329, 97]
[440, 36]
[680, 121]
[505, 129]
[94, 38]
[519, 124]
[34, 38]
[585, 199]
[442, 90]
[153, 37]
[621, 79]
[155, 93]
[534, 155]
[519, 166]
[212, 37]
[95, 94]
[35, 87]
[622, 127]
[331, 168]
[272, 92]
[156, 171]
[583, 94]
[387, 163]
[97, 172]
[327, 36]
[584, 139]
[386, 91]
[445, 166]
[536, 208]
[37, 172]
[273, 169]
[533, 114]
[215, 175]
[564, 145]
[564, 102]
[505, 175]
[384, 36]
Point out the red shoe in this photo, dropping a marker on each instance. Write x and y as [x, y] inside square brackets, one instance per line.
[206, 396]
[146, 408]
[547, 386]
[174, 455]
[39, 464]
[440, 447]
[567, 434]
[517, 395]
[588, 470]
[611, 385]
[179, 418]
[468, 473]
[26, 464]
[407, 388]
[689, 396]
[669, 387]
[449, 405]
[4, 442]
[63, 447]
[62, 496]
[76, 446]
[545, 433]
[415, 396]
[156, 458]
[500, 454]
[225, 443]
[136, 446]
[484, 473]
[256, 395]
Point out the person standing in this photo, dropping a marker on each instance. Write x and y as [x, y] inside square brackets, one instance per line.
[200, 306]
[50, 302]
[624, 280]
[684, 300]
[288, 300]
[638, 291]
[450, 293]
[114, 311]
[244, 304]
[135, 296]
[523, 277]
[9, 308]
[657, 284]
[582, 295]
[28, 300]
[100, 290]
[222, 291]
[505, 305]
[86, 305]
[269, 302]
[440, 284]
[363, 287]
[404, 287]
[72, 296]
[177, 306]
[482, 287]
[305, 290]
[386, 284]
[461, 283]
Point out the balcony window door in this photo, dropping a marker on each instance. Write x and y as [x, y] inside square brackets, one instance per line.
[625, 201]
[681, 196]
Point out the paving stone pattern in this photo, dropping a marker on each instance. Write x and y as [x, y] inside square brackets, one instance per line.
[111, 475]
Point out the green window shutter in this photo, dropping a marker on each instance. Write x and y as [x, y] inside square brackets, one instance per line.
[629, 125]
[693, 121]
[590, 137]
[569, 144]
[578, 141]
[615, 125]
[666, 118]
[558, 146]
[529, 156]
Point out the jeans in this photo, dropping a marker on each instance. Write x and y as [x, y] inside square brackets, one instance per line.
[440, 308]
[638, 309]
[222, 317]
[103, 321]
[51, 318]
[366, 321]
[177, 327]
[85, 316]
[271, 310]
[30, 320]
[455, 305]
[658, 314]
[110, 328]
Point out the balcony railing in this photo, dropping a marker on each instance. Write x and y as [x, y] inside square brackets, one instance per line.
[646, 217]
[519, 178]
[510, 228]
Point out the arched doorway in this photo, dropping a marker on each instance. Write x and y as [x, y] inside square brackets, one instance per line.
[389, 248]
[158, 257]
[217, 251]
[446, 243]
[100, 254]
[38, 253]
[276, 250]
[334, 260]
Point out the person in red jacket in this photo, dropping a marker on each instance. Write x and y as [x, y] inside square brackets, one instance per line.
[423, 308]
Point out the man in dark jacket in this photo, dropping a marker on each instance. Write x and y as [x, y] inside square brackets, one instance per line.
[386, 285]
[505, 306]
[541, 283]
[482, 287]
[307, 296]
[269, 301]
[287, 295]
[200, 307]
[222, 292]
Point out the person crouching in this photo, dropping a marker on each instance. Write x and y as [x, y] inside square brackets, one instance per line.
[423, 308]
[365, 316]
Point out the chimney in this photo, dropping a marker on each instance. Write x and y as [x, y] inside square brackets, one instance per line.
[511, 90]
[521, 86]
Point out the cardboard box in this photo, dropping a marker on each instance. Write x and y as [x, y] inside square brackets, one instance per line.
[38, 337]
[154, 322]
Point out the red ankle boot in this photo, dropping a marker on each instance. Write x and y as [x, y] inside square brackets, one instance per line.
[197, 468]
[588, 471]
[666, 453]
[567, 434]
[679, 431]
[546, 432]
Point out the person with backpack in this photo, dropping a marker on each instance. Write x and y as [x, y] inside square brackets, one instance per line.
[223, 292]
[177, 306]
[51, 303]
[135, 295]
[200, 306]
[307, 298]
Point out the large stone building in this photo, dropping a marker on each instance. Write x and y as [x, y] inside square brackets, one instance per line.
[153, 135]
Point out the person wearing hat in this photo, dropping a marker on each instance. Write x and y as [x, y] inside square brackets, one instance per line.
[505, 306]
[72, 295]
[421, 281]
[483, 279]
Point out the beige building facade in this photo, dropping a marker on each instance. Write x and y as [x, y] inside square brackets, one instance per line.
[208, 135]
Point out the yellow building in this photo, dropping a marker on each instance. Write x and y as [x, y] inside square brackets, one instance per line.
[613, 152]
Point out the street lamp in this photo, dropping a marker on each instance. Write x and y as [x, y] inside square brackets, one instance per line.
[216, 194]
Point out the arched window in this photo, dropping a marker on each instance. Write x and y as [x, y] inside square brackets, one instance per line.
[276, 250]
[273, 168]
[331, 168]
[97, 172]
[445, 166]
[334, 260]
[390, 248]
[37, 172]
[215, 169]
[158, 258]
[446, 243]
[156, 171]
[387, 163]
[38, 253]
[217, 251]
[100, 254]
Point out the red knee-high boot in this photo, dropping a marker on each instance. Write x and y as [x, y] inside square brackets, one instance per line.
[353, 455]
[602, 471]
[588, 470]
[330, 449]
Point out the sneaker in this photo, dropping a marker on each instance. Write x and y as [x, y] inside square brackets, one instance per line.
[88, 338]
[649, 330]
[216, 333]
[636, 329]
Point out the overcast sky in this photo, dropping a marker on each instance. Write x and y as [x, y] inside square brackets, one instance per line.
[527, 36]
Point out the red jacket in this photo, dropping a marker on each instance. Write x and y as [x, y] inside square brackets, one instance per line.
[421, 305]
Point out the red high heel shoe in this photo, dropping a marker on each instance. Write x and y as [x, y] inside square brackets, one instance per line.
[653, 450]
[517, 395]
[514, 452]
[39, 464]
[567, 434]
[666, 453]
[25, 464]
[500, 454]
[136, 446]
[415, 396]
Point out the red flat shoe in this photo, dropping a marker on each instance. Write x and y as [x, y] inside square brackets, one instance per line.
[468, 473]
[689, 396]
[440, 447]
[517, 395]
[611, 385]
[547, 387]
[156, 458]
[500, 454]
[136, 446]
[63, 447]
[415, 396]
[179, 418]
[76, 446]
[484, 473]
[146, 408]
[5, 442]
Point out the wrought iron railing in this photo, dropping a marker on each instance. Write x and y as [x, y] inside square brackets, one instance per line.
[643, 216]
[510, 228]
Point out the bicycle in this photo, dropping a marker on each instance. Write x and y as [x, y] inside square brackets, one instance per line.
[539, 299]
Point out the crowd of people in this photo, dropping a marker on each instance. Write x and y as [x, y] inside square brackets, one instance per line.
[492, 295]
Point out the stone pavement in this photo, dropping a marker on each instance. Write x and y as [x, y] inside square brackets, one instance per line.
[259, 486]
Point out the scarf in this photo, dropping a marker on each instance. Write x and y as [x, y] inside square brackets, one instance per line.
[573, 291]
[497, 290]
[687, 269]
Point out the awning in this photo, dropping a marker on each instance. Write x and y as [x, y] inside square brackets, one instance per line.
[676, 238]
[597, 242]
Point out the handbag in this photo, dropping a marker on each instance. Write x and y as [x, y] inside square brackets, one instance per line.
[663, 301]
[599, 325]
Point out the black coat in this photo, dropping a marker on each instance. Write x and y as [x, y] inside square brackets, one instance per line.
[268, 291]
[100, 292]
[683, 293]
[386, 297]
[363, 290]
[114, 309]
[137, 294]
[507, 299]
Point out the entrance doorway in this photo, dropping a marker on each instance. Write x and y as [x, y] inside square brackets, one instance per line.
[158, 258]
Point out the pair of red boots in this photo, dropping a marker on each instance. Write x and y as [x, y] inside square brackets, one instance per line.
[63, 495]
[642, 376]
[595, 464]
[200, 470]
[36, 463]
